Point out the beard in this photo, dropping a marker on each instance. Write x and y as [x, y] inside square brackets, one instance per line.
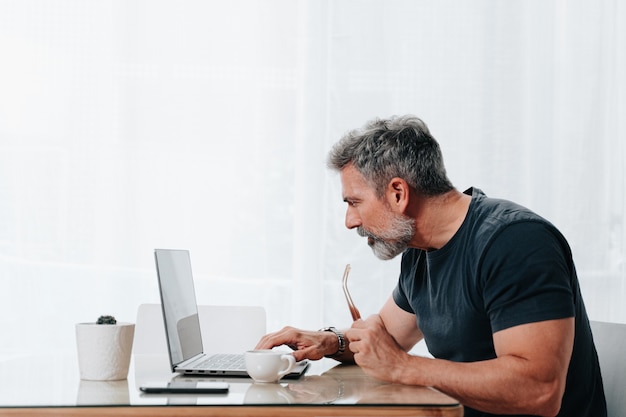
[388, 244]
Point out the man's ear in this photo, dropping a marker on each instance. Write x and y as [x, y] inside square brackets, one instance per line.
[398, 194]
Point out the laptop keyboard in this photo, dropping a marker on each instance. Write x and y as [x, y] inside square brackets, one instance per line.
[222, 361]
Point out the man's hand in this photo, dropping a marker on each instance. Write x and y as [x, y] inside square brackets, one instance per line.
[306, 344]
[375, 350]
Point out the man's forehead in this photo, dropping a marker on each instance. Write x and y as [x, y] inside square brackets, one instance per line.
[353, 182]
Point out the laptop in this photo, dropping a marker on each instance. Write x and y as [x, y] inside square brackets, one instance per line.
[182, 323]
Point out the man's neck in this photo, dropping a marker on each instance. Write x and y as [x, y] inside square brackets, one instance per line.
[439, 218]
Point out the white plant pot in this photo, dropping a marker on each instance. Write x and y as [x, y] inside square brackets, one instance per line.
[104, 350]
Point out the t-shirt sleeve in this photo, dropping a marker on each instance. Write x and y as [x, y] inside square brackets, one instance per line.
[406, 280]
[400, 298]
[527, 276]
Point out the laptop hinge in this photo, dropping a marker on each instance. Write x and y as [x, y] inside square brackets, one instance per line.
[188, 362]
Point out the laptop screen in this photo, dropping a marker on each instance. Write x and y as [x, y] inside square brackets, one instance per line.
[178, 300]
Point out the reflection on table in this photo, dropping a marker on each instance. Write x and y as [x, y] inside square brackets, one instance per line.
[54, 382]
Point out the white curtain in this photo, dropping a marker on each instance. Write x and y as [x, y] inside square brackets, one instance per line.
[131, 125]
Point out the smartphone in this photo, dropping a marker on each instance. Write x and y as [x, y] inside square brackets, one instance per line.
[185, 387]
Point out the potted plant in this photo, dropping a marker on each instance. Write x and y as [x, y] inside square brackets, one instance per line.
[104, 349]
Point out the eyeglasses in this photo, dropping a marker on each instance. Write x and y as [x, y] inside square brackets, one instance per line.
[344, 282]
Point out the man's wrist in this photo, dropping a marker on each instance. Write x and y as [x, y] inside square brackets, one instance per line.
[341, 341]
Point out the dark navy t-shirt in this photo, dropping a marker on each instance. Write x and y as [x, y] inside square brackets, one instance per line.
[505, 266]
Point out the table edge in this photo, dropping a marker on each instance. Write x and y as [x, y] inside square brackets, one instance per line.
[306, 410]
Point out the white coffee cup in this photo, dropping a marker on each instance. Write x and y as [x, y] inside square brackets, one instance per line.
[268, 365]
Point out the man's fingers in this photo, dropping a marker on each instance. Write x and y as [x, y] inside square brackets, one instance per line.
[301, 354]
[285, 336]
[305, 344]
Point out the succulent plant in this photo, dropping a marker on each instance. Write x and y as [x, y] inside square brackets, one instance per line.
[106, 320]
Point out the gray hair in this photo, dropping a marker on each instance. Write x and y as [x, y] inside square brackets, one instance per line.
[396, 147]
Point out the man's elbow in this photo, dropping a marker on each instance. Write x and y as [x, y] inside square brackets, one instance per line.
[548, 402]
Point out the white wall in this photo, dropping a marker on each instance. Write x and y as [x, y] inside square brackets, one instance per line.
[131, 125]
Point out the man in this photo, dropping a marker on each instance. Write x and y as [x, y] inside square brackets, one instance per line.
[488, 284]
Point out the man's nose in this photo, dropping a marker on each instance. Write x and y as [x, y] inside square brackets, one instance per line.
[352, 219]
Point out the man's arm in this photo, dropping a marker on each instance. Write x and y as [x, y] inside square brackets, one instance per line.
[401, 326]
[527, 377]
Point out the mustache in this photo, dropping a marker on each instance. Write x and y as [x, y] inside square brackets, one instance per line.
[382, 237]
[363, 232]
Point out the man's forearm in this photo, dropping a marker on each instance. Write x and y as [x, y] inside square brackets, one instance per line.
[499, 386]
